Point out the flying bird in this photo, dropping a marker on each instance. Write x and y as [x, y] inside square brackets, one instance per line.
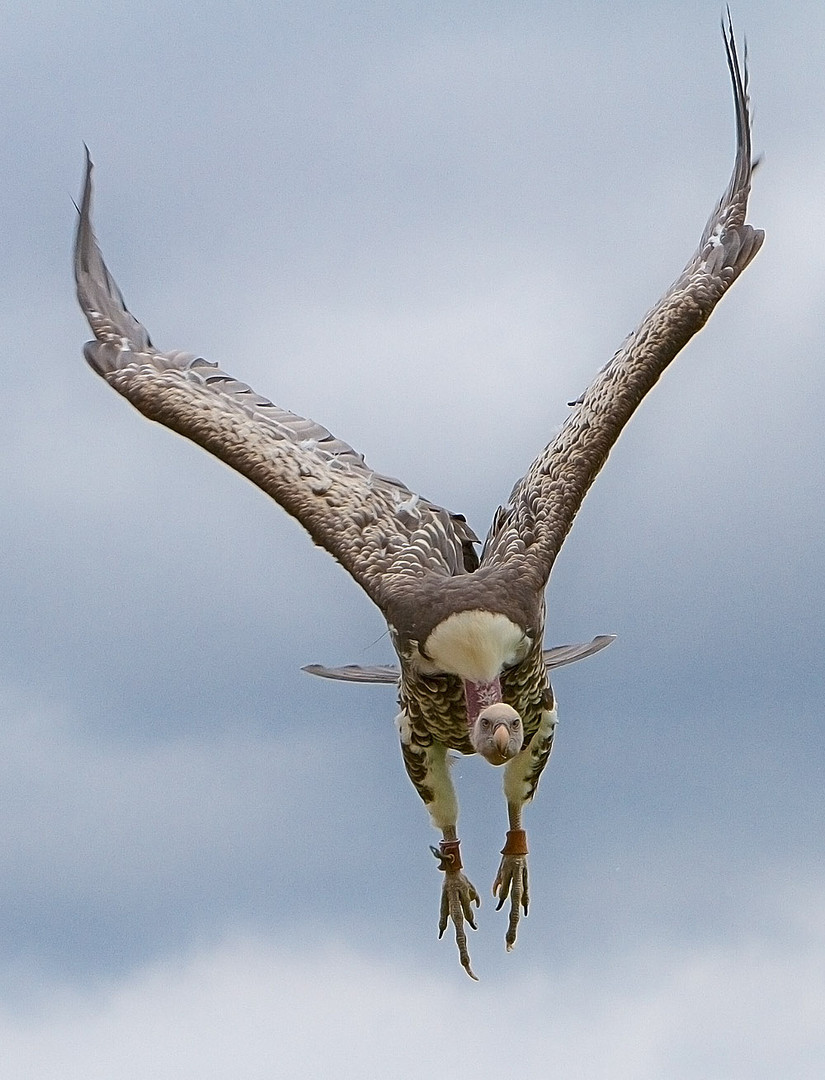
[468, 629]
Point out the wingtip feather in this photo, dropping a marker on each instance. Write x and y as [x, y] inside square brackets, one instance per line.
[97, 292]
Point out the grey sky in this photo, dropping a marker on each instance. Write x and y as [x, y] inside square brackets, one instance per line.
[425, 226]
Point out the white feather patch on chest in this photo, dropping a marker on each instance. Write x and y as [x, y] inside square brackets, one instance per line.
[476, 645]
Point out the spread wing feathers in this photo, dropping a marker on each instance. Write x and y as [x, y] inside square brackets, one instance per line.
[387, 673]
[528, 532]
[375, 526]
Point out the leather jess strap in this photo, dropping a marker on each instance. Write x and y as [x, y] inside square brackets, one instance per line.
[516, 843]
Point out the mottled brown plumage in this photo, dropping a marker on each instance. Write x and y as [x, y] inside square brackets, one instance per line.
[468, 634]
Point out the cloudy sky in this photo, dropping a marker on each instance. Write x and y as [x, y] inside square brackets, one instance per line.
[425, 226]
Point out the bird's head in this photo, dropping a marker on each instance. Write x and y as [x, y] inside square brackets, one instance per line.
[497, 733]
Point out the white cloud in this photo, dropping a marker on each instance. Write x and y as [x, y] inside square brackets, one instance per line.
[252, 1008]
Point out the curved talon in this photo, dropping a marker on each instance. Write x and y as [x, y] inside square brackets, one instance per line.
[458, 894]
[512, 881]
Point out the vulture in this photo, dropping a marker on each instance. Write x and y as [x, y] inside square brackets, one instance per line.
[468, 629]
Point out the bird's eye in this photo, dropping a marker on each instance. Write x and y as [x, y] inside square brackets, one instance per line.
[485, 723]
[516, 724]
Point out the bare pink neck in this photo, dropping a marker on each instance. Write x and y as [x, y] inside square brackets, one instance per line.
[478, 696]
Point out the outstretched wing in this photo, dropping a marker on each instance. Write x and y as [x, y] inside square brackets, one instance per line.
[388, 673]
[376, 527]
[529, 531]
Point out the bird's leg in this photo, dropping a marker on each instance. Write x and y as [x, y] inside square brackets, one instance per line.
[521, 778]
[428, 768]
[511, 879]
[458, 895]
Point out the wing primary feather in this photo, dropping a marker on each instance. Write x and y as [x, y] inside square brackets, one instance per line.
[100, 298]
[385, 535]
[527, 533]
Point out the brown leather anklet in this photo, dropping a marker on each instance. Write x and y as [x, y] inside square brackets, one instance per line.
[450, 855]
[516, 843]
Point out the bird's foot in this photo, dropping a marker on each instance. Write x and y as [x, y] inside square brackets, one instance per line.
[511, 881]
[457, 897]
